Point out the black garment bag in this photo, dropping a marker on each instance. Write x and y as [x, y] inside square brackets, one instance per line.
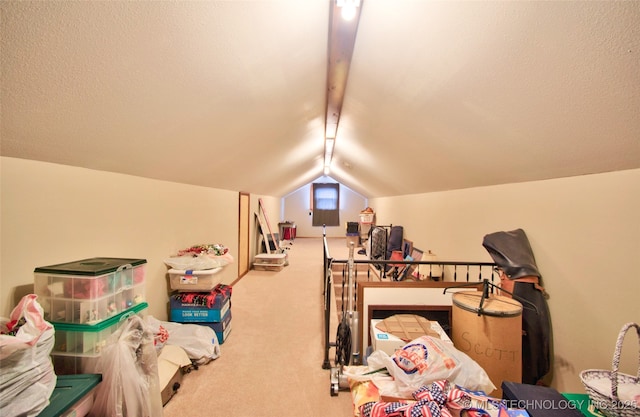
[512, 253]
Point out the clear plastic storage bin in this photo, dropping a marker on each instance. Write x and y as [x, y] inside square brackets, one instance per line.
[191, 280]
[366, 218]
[78, 347]
[91, 290]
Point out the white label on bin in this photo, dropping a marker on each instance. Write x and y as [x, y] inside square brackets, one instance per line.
[189, 279]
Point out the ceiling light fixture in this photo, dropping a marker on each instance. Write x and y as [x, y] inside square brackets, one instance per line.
[349, 8]
[342, 37]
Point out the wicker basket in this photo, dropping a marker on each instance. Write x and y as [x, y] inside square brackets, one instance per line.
[602, 386]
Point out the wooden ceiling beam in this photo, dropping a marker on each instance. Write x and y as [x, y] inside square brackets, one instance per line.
[342, 39]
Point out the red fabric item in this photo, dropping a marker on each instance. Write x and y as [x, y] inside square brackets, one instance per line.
[203, 298]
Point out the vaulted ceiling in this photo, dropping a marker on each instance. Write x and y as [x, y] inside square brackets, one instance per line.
[232, 94]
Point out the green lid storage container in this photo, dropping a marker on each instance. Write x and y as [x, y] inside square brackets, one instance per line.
[90, 290]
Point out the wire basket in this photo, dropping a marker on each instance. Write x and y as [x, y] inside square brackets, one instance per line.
[603, 386]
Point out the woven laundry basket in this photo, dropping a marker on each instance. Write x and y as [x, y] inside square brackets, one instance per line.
[605, 386]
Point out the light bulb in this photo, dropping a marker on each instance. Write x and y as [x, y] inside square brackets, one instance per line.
[348, 11]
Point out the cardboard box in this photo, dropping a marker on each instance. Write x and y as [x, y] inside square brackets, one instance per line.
[172, 362]
[493, 339]
[389, 343]
[223, 336]
[172, 387]
[220, 326]
[199, 307]
[222, 329]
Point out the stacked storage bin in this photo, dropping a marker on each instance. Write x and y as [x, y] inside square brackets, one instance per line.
[367, 220]
[270, 261]
[199, 298]
[86, 301]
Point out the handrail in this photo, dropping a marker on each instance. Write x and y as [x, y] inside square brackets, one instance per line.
[398, 262]
[328, 262]
[325, 243]
[442, 264]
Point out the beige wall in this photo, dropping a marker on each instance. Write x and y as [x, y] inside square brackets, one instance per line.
[585, 235]
[55, 213]
[296, 209]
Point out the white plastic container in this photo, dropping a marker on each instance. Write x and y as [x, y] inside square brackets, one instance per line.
[366, 218]
[189, 281]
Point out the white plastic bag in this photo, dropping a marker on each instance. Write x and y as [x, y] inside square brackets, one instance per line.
[426, 360]
[160, 333]
[130, 384]
[200, 342]
[27, 379]
[29, 333]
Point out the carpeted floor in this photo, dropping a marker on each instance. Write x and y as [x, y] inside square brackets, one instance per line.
[271, 364]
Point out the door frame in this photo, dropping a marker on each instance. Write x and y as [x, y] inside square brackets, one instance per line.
[244, 211]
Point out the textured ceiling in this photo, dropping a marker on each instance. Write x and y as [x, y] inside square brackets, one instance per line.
[231, 94]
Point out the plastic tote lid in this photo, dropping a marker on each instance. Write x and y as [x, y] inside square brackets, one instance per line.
[91, 266]
[495, 305]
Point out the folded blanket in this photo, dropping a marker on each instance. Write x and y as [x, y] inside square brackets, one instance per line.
[207, 299]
